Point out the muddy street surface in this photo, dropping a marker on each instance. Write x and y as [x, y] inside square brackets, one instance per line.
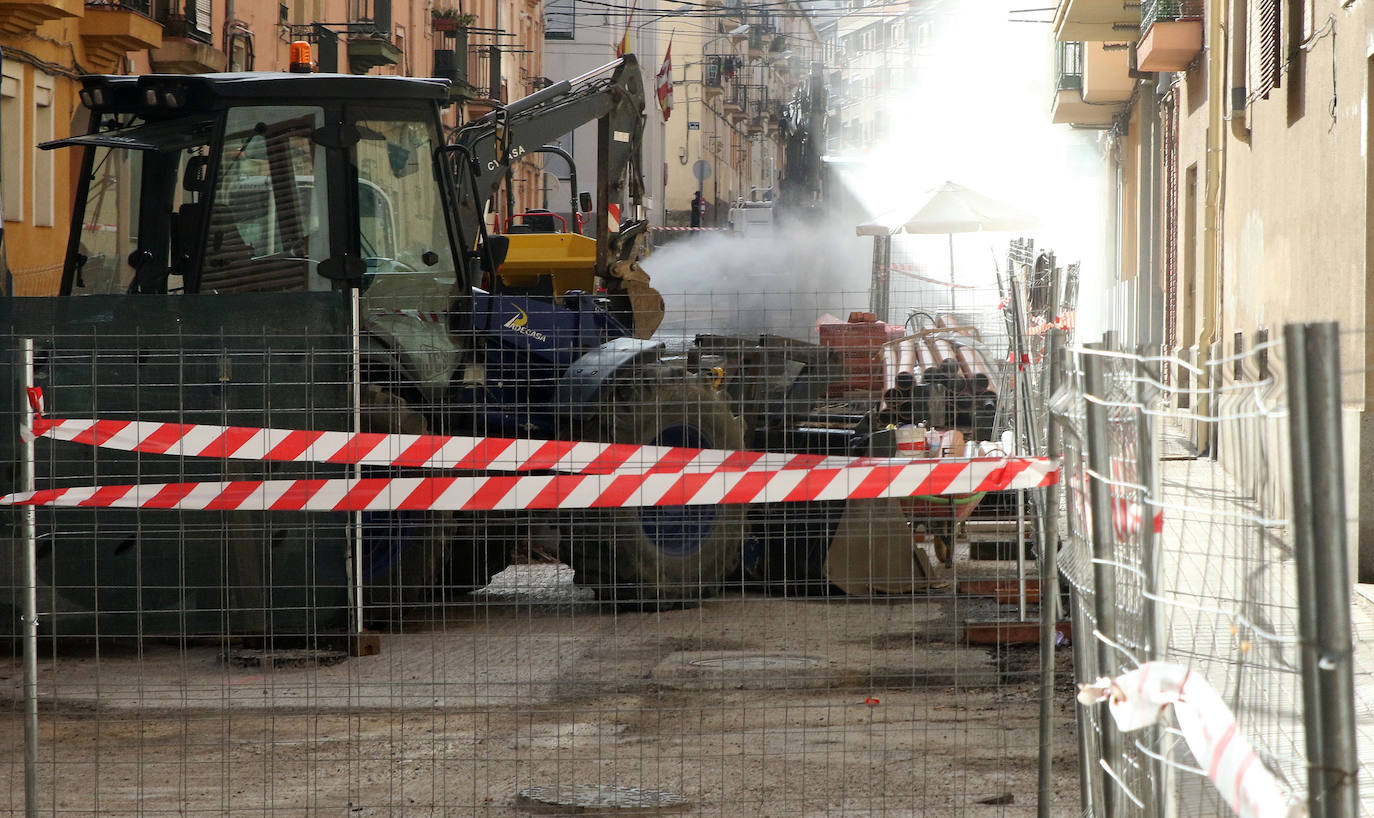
[531, 698]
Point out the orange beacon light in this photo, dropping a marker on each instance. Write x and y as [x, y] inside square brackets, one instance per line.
[300, 58]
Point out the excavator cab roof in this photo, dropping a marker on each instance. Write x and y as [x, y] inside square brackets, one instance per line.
[259, 182]
[161, 95]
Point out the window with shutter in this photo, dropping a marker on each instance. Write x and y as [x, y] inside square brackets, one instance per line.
[1265, 57]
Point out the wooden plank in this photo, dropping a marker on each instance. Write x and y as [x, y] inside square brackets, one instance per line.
[1009, 632]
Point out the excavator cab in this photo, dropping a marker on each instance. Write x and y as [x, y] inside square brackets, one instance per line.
[233, 183]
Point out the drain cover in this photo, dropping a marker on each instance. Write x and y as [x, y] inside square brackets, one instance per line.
[595, 798]
[759, 661]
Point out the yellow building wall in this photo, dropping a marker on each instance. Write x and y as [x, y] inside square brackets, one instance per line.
[40, 67]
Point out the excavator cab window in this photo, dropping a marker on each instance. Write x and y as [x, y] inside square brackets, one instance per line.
[142, 192]
[265, 229]
[401, 225]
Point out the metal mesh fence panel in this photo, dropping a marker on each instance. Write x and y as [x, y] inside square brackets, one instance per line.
[1218, 592]
[573, 631]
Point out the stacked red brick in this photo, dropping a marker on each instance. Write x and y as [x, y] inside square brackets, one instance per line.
[860, 342]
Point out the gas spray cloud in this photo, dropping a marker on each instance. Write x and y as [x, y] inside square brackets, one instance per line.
[778, 283]
[975, 110]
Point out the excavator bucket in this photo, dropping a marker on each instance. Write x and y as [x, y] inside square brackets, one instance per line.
[838, 546]
[873, 550]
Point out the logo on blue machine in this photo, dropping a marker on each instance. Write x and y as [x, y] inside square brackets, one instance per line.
[517, 324]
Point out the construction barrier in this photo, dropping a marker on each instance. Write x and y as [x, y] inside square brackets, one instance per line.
[601, 475]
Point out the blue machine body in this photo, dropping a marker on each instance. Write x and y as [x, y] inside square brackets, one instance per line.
[526, 345]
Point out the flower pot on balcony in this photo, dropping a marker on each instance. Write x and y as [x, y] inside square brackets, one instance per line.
[444, 23]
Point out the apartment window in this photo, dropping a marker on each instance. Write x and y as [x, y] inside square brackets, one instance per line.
[200, 17]
[1265, 57]
[923, 33]
[559, 17]
[12, 141]
[42, 160]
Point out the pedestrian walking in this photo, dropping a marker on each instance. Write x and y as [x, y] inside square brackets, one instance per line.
[698, 209]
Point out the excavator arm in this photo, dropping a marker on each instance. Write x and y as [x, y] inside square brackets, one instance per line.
[486, 148]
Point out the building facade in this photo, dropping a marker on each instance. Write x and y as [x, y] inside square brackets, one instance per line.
[580, 37]
[490, 49]
[1237, 134]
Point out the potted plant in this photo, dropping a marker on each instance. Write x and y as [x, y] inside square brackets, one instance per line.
[449, 20]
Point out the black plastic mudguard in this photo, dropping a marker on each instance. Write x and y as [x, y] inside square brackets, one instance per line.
[583, 381]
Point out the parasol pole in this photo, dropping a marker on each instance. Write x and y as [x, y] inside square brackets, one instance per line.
[950, 236]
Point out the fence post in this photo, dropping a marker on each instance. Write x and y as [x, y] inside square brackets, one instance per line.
[1049, 575]
[355, 529]
[1215, 373]
[29, 515]
[1104, 550]
[1319, 542]
[1146, 376]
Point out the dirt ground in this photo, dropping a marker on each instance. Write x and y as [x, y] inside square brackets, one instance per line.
[745, 705]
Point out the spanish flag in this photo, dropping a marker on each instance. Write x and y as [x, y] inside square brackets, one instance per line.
[623, 47]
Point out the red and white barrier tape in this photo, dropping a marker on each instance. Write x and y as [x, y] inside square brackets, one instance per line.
[564, 491]
[635, 475]
[692, 229]
[1138, 698]
[428, 451]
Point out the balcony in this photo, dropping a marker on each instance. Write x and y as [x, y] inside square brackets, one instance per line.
[25, 16]
[712, 80]
[183, 55]
[186, 40]
[734, 100]
[737, 106]
[1107, 73]
[1069, 106]
[366, 53]
[1097, 21]
[760, 38]
[482, 86]
[110, 30]
[1172, 34]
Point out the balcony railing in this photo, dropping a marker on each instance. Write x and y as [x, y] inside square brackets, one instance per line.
[1166, 10]
[712, 74]
[737, 98]
[1068, 66]
[484, 72]
[144, 7]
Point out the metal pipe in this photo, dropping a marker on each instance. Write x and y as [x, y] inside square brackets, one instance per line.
[29, 524]
[1300, 456]
[1104, 550]
[1334, 650]
[554, 91]
[1021, 414]
[1049, 580]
